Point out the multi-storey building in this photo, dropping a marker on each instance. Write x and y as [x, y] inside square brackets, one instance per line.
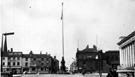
[55, 65]
[4, 61]
[12, 61]
[25, 62]
[32, 63]
[127, 55]
[88, 59]
[15, 61]
[112, 58]
[40, 63]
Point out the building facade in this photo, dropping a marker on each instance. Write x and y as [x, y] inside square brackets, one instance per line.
[55, 65]
[26, 62]
[12, 61]
[127, 54]
[73, 67]
[88, 59]
[112, 58]
[17, 62]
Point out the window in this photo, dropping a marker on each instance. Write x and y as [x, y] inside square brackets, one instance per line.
[80, 56]
[8, 63]
[3, 58]
[18, 63]
[26, 59]
[13, 58]
[34, 59]
[42, 58]
[26, 64]
[42, 64]
[3, 63]
[41, 69]
[13, 63]
[33, 69]
[18, 58]
[8, 58]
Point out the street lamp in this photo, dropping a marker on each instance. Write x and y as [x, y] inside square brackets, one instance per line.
[5, 47]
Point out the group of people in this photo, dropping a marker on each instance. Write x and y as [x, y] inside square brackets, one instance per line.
[112, 73]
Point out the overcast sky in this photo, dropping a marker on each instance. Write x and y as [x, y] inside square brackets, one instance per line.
[38, 27]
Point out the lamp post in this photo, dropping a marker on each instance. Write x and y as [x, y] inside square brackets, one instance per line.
[100, 62]
[5, 45]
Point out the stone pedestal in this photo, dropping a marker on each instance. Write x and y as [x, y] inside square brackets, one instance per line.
[63, 67]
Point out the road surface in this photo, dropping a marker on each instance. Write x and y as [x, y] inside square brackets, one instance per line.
[61, 75]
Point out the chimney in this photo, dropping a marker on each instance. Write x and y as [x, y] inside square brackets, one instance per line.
[122, 37]
[11, 49]
[77, 49]
[46, 53]
[54, 57]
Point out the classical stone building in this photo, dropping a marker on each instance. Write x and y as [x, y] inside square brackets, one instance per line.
[127, 54]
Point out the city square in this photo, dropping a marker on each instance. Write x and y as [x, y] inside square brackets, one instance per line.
[67, 38]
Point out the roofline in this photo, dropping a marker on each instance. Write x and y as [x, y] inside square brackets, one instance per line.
[126, 38]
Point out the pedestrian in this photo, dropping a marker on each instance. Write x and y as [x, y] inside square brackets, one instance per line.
[83, 72]
[110, 73]
[115, 74]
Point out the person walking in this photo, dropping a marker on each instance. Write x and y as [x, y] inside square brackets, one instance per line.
[112, 73]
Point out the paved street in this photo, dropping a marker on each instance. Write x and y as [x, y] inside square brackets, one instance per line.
[60, 75]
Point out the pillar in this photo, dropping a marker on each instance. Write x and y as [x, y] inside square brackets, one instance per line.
[121, 56]
[129, 55]
[125, 56]
[134, 53]
[125, 60]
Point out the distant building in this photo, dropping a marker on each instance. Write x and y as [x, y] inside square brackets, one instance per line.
[4, 63]
[127, 54]
[88, 59]
[32, 63]
[26, 62]
[112, 58]
[73, 67]
[55, 65]
[12, 61]
[40, 63]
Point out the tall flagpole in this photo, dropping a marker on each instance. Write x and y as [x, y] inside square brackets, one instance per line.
[62, 32]
[63, 67]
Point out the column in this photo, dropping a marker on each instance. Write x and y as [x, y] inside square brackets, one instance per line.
[131, 54]
[125, 56]
[121, 56]
[134, 53]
